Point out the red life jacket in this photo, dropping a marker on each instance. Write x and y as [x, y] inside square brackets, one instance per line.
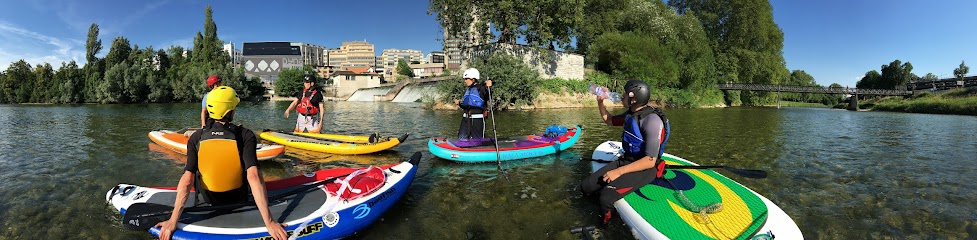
[305, 104]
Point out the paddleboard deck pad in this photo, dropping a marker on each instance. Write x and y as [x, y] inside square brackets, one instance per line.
[326, 215]
[519, 147]
[698, 204]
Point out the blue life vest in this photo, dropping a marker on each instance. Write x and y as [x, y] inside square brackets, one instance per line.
[472, 98]
[633, 141]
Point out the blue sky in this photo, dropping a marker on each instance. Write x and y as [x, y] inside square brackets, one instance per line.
[835, 41]
[838, 41]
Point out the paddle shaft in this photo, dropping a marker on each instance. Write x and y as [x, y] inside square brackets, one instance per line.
[311, 137]
[749, 173]
[495, 135]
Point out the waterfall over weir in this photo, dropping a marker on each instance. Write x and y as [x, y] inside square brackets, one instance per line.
[412, 93]
[368, 95]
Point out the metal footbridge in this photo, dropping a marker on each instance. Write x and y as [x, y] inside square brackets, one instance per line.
[852, 92]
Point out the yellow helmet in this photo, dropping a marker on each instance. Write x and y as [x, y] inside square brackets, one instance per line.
[220, 101]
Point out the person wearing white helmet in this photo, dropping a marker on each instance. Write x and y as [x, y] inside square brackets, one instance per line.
[473, 104]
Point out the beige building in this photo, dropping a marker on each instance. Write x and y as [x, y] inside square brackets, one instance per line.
[353, 54]
[555, 64]
[347, 82]
[391, 56]
[358, 54]
[427, 70]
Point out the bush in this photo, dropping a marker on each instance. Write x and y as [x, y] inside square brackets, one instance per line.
[560, 85]
[513, 82]
[290, 80]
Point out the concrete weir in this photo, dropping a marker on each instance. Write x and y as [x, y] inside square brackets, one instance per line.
[409, 90]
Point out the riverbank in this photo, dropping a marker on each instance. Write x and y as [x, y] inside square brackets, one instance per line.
[958, 102]
[543, 101]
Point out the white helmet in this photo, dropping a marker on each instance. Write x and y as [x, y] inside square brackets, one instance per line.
[471, 73]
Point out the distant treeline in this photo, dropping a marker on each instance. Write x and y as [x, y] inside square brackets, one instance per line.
[129, 74]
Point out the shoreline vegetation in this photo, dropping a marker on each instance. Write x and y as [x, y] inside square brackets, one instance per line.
[957, 102]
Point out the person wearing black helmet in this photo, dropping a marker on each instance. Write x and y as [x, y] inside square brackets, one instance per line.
[645, 132]
[308, 103]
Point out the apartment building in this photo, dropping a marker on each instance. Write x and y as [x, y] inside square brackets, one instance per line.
[391, 56]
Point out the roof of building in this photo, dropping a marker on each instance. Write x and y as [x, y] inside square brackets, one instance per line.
[427, 65]
[361, 70]
[351, 73]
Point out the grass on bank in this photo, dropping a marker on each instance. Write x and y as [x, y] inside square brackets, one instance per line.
[959, 101]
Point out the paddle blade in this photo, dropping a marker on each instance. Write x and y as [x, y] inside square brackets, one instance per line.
[749, 173]
[142, 216]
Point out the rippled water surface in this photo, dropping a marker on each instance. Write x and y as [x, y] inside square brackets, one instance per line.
[839, 174]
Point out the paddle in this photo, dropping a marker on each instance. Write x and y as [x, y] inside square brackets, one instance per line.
[142, 216]
[372, 138]
[495, 135]
[749, 173]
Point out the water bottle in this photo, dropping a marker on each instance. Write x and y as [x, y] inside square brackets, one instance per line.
[614, 97]
[602, 91]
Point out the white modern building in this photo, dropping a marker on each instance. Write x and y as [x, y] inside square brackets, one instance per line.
[234, 53]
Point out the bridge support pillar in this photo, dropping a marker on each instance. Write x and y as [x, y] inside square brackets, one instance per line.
[778, 99]
[853, 102]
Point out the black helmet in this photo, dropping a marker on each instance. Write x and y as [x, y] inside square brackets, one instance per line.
[639, 91]
[309, 78]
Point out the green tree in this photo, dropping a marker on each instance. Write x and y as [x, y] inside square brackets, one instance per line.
[872, 79]
[961, 71]
[745, 38]
[403, 69]
[71, 83]
[18, 74]
[111, 89]
[929, 77]
[93, 45]
[635, 56]
[176, 74]
[43, 80]
[895, 74]
[544, 23]
[290, 80]
[135, 87]
[3, 77]
[118, 53]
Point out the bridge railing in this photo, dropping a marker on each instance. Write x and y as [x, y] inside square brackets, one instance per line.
[810, 89]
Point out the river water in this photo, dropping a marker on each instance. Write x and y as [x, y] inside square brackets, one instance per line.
[839, 174]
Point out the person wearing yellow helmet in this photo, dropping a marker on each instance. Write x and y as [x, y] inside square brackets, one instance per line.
[222, 165]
